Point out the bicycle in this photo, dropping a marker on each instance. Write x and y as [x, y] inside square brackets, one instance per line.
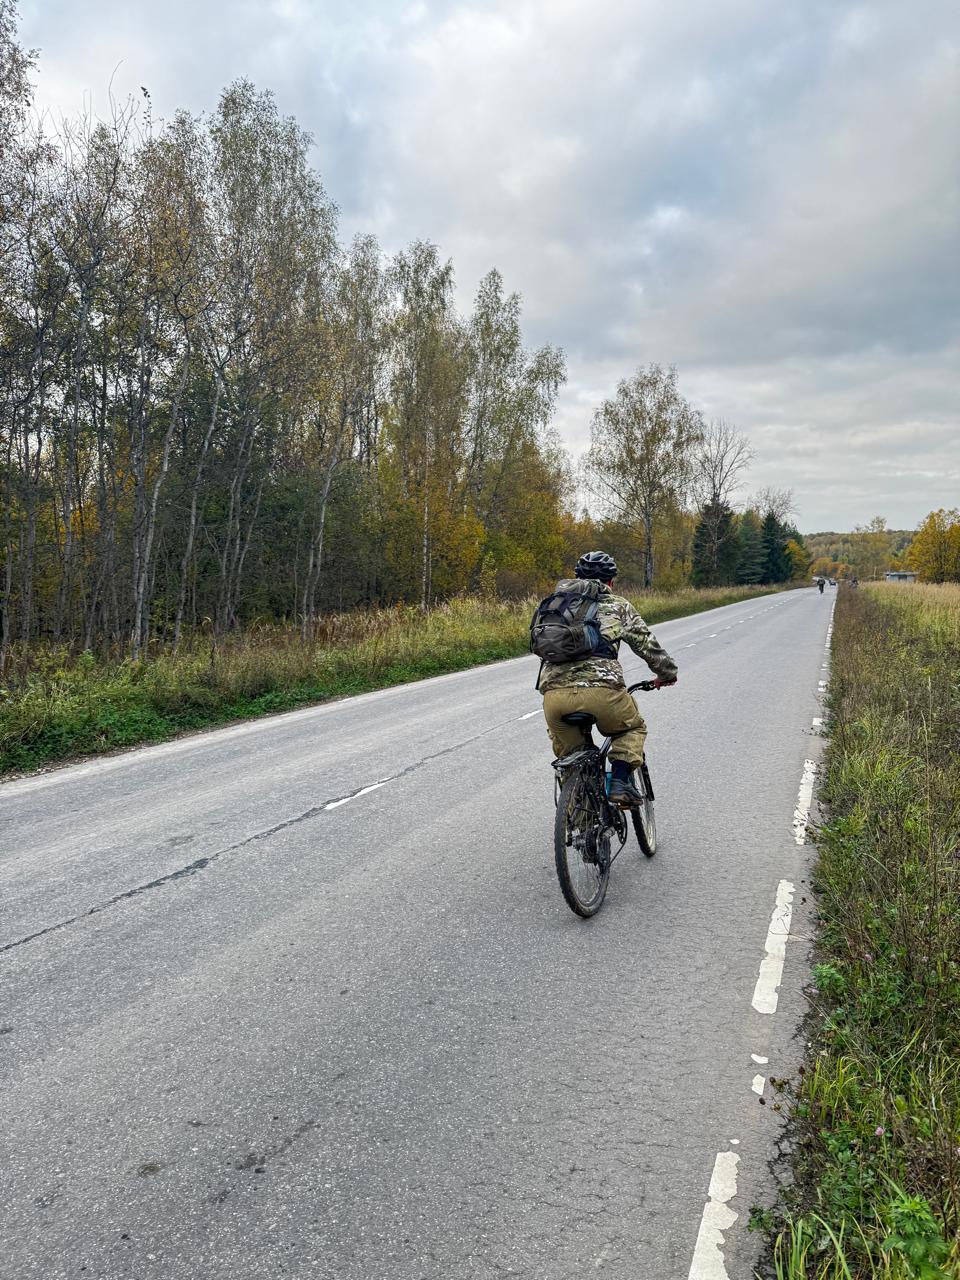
[587, 823]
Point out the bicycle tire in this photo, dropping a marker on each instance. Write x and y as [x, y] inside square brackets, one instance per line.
[583, 880]
[644, 820]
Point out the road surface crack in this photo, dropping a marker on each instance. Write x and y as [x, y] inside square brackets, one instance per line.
[202, 863]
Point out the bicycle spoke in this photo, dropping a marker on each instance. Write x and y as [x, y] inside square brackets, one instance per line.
[582, 845]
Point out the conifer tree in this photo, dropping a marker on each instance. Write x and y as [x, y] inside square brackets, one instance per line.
[715, 547]
[751, 557]
[777, 565]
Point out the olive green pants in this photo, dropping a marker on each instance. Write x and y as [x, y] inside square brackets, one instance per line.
[615, 711]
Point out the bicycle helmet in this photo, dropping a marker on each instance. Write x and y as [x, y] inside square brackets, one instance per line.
[596, 564]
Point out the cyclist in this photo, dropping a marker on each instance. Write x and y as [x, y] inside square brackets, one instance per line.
[595, 684]
[820, 585]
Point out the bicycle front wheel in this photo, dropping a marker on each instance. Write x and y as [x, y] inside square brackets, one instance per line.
[581, 847]
[644, 822]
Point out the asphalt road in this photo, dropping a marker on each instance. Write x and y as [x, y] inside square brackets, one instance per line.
[247, 1031]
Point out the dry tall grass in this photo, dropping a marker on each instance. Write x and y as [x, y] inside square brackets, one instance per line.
[878, 1111]
[55, 704]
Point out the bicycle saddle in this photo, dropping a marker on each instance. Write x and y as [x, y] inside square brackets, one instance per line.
[579, 717]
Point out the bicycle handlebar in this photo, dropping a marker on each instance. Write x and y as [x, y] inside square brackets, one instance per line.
[649, 685]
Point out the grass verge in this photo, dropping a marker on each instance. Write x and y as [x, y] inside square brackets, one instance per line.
[55, 707]
[877, 1115]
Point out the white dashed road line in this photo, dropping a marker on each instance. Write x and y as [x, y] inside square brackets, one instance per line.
[801, 814]
[708, 1260]
[767, 991]
[708, 1263]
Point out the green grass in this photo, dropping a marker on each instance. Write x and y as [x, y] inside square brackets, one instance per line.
[877, 1114]
[54, 707]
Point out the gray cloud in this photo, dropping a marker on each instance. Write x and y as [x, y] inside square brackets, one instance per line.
[766, 196]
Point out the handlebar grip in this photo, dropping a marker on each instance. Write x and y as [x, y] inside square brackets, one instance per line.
[646, 685]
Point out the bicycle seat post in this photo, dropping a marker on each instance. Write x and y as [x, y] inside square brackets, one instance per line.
[583, 721]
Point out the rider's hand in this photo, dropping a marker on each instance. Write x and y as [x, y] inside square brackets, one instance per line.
[663, 684]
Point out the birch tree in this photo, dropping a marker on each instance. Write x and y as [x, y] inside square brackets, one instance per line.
[209, 410]
[641, 459]
[719, 463]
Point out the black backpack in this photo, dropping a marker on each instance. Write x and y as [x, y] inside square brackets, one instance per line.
[564, 626]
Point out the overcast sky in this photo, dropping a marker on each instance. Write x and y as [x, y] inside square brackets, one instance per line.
[765, 195]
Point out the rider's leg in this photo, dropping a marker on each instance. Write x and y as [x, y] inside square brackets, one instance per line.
[556, 704]
[617, 715]
[621, 770]
[615, 712]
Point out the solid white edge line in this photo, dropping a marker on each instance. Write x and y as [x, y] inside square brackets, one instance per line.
[708, 1263]
[766, 992]
[530, 713]
[804, 800]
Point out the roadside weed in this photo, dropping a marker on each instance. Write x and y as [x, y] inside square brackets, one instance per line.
[54, 704]
[877, 1115]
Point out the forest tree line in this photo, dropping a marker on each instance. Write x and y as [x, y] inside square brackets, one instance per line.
[212, 411]
[931, 551]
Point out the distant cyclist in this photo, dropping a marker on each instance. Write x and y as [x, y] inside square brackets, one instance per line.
[586, 620]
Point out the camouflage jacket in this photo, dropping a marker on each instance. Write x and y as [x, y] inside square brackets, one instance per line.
[618, 621]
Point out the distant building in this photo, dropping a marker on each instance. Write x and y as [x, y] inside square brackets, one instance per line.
[900, 575]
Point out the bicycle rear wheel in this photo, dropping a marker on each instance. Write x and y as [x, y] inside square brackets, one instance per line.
[581, 846]
[644, 822]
